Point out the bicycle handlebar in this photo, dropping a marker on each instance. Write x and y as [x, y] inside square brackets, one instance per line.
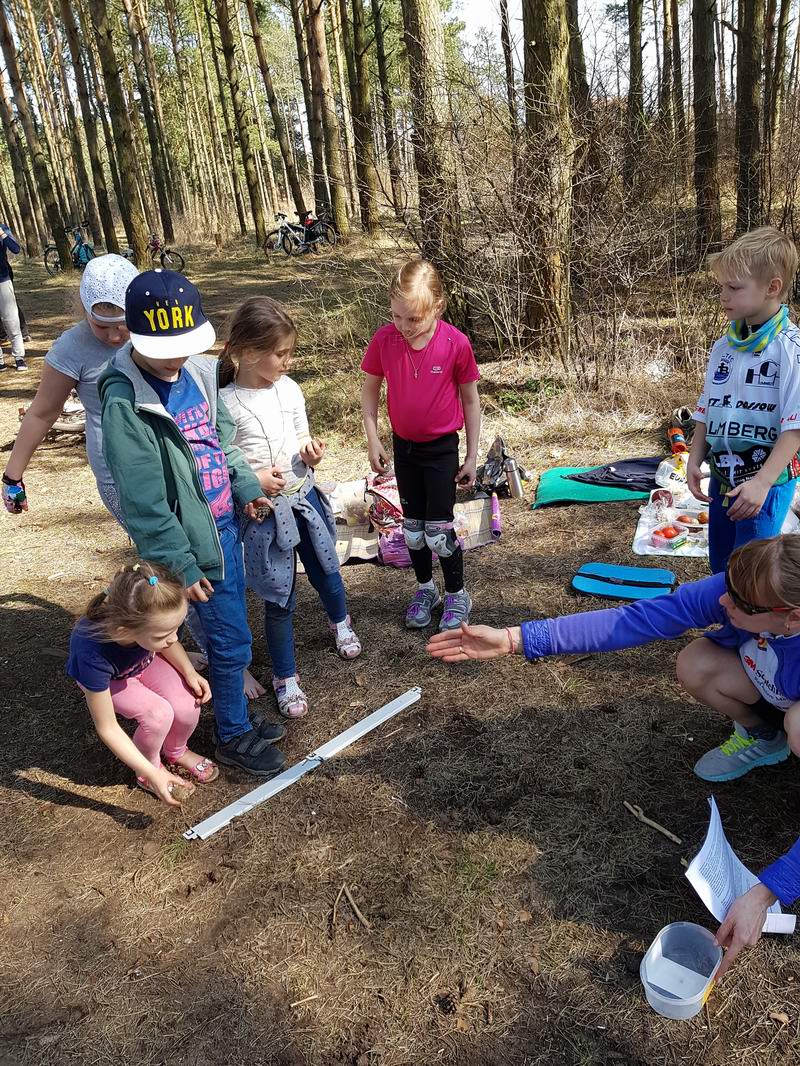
[279, 215]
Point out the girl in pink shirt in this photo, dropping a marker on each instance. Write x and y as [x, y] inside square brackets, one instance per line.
[431, 392]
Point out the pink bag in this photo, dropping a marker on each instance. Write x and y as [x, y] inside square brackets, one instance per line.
[385, 512]
[392, 548]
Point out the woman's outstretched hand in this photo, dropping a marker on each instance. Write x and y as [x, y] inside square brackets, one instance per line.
[473, 642]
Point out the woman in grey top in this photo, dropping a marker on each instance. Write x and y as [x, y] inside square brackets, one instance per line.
[75, 362]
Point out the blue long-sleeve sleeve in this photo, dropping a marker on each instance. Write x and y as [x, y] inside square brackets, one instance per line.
[783, 876]
[11, 244]
[692, 606]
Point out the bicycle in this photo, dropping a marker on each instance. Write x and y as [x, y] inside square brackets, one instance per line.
[168, 257]
[81, 251]
[298, 238]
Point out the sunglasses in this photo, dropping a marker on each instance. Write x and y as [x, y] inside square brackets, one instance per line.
[751, 608]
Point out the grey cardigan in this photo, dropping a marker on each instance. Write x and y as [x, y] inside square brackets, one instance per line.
[269, 546]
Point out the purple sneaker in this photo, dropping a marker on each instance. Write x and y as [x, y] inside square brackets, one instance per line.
[419, 610]
[457, 606]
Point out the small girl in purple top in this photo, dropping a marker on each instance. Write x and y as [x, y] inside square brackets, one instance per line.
[125, 656]
[748, 669]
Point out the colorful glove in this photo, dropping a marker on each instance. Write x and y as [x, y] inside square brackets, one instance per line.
[14, 498]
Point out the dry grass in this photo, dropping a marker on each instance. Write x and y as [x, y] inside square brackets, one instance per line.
[482, 834]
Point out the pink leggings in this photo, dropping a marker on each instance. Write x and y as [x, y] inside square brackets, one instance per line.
[166, 710]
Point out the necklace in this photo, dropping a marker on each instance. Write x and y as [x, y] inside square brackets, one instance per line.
[252, 413]
[424, 352]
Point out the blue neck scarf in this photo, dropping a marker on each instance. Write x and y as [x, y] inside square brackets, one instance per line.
[757, 340]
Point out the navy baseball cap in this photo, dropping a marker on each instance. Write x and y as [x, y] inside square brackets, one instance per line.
[164, 314]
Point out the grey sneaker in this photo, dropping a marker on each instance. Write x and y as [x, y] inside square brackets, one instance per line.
[457, 606]
[740, 754]
[419, 610]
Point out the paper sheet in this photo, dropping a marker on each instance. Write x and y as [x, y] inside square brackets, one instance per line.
[718, 877]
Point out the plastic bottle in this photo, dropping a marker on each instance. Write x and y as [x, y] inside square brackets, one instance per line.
[677, 440]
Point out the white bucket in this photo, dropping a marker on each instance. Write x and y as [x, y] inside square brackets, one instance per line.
[678, 969]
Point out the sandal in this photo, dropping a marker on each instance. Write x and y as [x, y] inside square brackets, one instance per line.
[292, 702]
[204, 771]
[347, 643]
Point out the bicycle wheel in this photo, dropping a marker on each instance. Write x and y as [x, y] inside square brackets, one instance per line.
[273, 241]
[292, 244]
[172, 260]
[327, 234]
[52, 263]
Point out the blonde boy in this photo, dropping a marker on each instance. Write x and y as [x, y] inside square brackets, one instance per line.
[748, 415]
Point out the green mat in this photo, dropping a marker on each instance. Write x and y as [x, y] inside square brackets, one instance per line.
[555, 488]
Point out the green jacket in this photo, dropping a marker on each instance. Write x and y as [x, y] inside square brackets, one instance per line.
[154, 470]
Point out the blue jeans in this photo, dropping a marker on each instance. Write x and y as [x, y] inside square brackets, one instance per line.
[228, 639]
[278, 622]
[724, 536]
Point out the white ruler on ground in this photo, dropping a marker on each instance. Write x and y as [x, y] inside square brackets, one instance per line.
[203, 830]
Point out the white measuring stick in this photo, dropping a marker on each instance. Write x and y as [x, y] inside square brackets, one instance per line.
[203, 830]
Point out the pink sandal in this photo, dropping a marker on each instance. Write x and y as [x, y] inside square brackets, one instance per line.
[347, 643]
[204, 771]
[292, 702]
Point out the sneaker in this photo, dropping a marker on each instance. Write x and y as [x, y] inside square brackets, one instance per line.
[20, 365]
[292, 702]
[251, 753]
[740, 754]
[457, 606]
[3, 365]
[272, 732]
[347, 643]
[419, 610]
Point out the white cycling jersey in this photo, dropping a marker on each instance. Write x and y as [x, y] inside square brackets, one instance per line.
[748, 400]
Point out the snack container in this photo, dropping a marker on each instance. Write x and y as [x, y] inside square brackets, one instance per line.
[679, 968]
[659, 541]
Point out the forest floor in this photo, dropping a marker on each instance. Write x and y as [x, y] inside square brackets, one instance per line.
[508, 893]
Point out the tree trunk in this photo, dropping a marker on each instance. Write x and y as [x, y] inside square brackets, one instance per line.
[281, 134]
[748, 115]
[270, 190]
[63, 187]
[313, 110]
[160, 177]
[578, 82]
[666, 97]
[549, 172]
[41, 175]
[440, 227]
[323, 93]
[362, 126]
[195, 175]
[387, 109]
[677, 75]
[85, 190]
[240, 116]
[155, 96]
[636, 122]
[18, 171]
[92, 75]
[340, 27]
[229, 136]
[136, 230]
[779, 75]
[723, 91]
[222, 169]
[706, 181]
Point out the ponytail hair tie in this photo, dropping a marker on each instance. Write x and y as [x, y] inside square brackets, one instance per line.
[152, 580]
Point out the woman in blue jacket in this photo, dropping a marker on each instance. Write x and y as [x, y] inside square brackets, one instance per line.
[747, 667]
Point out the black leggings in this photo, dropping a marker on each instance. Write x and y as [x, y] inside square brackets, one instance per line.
[426, 480]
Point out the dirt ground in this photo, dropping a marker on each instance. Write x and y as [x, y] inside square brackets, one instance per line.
[507, 894]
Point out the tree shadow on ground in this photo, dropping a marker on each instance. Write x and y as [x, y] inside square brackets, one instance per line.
[46, 727]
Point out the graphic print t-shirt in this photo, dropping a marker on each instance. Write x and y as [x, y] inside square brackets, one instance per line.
[748, 400]
[94, 663]
[192, 415]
